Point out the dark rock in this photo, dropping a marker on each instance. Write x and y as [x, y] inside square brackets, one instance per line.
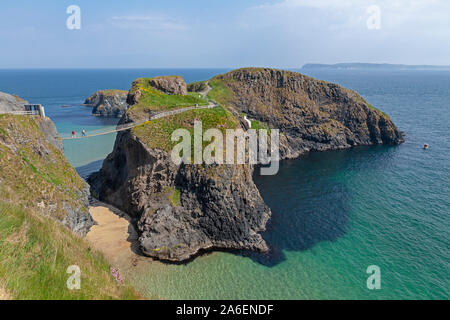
[169, 85]
[311, 115]
[108, 103]
[219, 206]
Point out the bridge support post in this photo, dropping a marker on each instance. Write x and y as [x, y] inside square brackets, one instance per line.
[41, 111]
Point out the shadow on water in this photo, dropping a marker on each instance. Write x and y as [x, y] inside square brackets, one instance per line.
[309, 204]
[85, 171]
[310, 200]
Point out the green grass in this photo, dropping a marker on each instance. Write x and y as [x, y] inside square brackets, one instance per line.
[35, 253]
[157, 133]
[220, 92]
[111, 92]
[154, 100]
[259, 125]
[35, 248]
[174, 196]
[35, 171]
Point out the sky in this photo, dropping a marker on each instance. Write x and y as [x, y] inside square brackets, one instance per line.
[223, 33]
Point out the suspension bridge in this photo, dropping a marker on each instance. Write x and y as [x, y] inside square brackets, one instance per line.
[128, 126]
[38, 110]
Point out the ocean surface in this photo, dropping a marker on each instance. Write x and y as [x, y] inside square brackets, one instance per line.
[334, 213]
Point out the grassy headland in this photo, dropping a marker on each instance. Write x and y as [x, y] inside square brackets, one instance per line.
[37, 188]
[154, 100]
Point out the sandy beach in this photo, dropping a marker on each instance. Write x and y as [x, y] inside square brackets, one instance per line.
[114, 236]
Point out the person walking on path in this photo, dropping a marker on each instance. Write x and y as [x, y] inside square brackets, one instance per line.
[73, 133]
[83, 133]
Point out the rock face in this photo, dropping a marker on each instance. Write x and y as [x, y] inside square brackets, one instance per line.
[14, 103]
[11, 103]
[48, 128]
[312, 115]
[169, 85]
[181, 210]
[108, 103]
[35, 172]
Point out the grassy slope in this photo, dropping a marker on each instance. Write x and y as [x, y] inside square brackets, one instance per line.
[29, 175]
[153, 100]
[35, 253]
[157, 133]
[35, 249]
[112, 92]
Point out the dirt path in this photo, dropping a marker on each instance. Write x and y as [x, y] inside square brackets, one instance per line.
[114, 236]
[208, 89]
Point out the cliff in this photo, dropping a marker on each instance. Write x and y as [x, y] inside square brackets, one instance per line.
[35, 173]
[43, 214]
[182, 210]
[47, 127]
[108, 103]
[11, 103]
[311, 115]
[185, 209]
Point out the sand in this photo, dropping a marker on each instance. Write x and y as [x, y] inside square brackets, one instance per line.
[114, 236]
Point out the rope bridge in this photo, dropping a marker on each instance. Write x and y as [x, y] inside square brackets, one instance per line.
[128, 126]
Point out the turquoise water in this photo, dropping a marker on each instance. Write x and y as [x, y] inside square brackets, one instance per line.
[334, 213]
[55, 88]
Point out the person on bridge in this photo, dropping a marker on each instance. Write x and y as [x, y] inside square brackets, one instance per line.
[83, 133]
[73, 133]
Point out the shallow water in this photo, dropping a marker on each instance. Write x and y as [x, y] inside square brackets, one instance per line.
[334, 213]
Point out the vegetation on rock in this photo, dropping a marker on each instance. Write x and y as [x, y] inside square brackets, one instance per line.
[39, 193]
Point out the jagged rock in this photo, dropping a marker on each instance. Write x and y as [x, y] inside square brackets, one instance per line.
[219, 207]
[108, 103]
[11, 103]
[311, 115]
[169, 84]
[48, 128]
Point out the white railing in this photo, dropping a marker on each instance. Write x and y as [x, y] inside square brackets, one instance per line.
[21, 113]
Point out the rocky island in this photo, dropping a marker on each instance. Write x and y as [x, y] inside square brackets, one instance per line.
[108, 103]
[182, 210]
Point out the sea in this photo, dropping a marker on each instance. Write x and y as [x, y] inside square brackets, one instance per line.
[337, 215]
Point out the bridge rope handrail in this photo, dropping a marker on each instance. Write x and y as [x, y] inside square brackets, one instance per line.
[21, 113]
[131, 125]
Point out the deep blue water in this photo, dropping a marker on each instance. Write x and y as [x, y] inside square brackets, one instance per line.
[334, 213]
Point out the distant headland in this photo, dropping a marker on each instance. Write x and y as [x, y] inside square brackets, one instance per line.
[371, 66]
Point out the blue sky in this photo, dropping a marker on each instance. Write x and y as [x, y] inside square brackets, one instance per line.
[222, 33]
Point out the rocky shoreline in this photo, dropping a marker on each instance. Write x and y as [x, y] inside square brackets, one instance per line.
[108, 103]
